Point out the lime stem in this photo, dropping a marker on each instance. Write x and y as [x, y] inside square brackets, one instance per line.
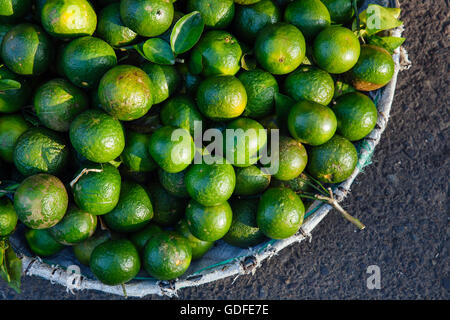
[83, 172]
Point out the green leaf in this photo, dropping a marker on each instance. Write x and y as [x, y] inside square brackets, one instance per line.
[8, 84]
[341, 88]
[377, 18]
[157, 51]
[388, 43]
[11, 269]
[7, 187]
[186, 32]
[248, 62]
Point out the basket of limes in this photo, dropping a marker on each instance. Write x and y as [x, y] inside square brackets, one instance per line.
[151, 145]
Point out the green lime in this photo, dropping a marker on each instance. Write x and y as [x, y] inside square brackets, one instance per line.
[221, 97]
[8, 217]
[115, 262]
[133, 211]
[68, 18]
[27, 50]
[310, 83]
[174, 182]
[292, 158]
[280, 48]
[42, 243]
[135, 156]
[216, 14]
[341, 11]
[141, 237]
[12, 126]
[41, 201]
[251, 180]
[125, 92]
[246, 2]
[244, 231]
[217, 53]
[374, 69]
[310, 16]
[250, 19]
[97, 136]
[336, 49]
[180, 111]
[167, 208]
[148, 18]
[311, 123]
[4, 28]
[76, 226]
[58, 102]
[210, 184]
[83, 250]
[280, 213]
[165, 80]
[104, 177]
[199, 247]
[243, 139]
[333, 161]
[172, 148]
[85, 60]
[40, 150]
[167, 256]
[299, 184]
[208, 223]
[12, 100]
[10, 10]
[111, 28]
[261, 88]
[356, 115]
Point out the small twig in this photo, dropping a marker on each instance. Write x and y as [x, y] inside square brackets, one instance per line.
[124, 291]
[102, 224]
[83, 172]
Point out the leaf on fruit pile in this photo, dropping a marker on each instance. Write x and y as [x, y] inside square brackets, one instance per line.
[11, 266]
[377, 18]
[186, 32]
[388, 43]
[157, 51]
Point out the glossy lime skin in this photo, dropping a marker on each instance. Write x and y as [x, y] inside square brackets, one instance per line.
[336, 49]
[165, 80]
[310, 83]
[13, 100]
[97, 136]
[244, 231]
[310, 16]
[8, 217]
[125, 92]
[208, 223]
[167, 256]
[133, 211]
[221, 98]
[172, 148]
[27, 50]
[217, 14]
[42, 243]
[341, 11]
[168, 209]
[311, 123]
[68, 18]
[292, 159]
[217, 53]
[280, 213]
[115, 262]
[374, 69]
[85, 60]
[210, 184]
[174, 182]
[251, 180]
[333, 161]
[141, 237]
[12, 126]
[86, 190]
[244, 137]
[199, 247]
[280, 48]
[148, 18]
[40, 150]
[83, 250]
[76, 226]
[356, 115]
[41, 201]
[180, 111]
[250, 19]
[261, 88]
[135, 156]
[11, 10]
[111, 28]
[57, 102]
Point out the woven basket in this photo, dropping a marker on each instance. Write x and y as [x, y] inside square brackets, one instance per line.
[223, 260]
